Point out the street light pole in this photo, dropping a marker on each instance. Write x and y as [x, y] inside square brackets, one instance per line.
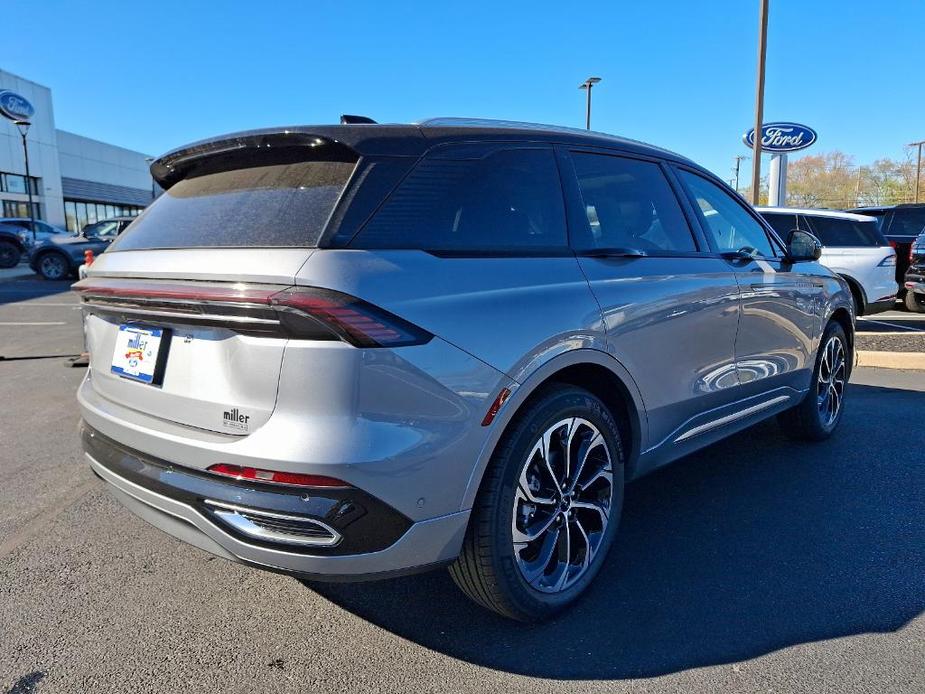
[738, 158]
[918, 166]
[587, 84]
[759, 99]
[23, 127]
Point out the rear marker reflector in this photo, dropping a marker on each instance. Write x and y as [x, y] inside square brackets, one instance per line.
[495, 406]
[292, 479]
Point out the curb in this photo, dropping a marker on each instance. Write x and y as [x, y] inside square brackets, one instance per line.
[892, 360]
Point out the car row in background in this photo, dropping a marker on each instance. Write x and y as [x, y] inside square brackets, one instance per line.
[901, 225]
[914, 280]
[59, 257]
[19, 234]
[852, 246]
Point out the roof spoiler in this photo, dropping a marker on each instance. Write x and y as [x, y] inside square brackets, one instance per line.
[235, 151]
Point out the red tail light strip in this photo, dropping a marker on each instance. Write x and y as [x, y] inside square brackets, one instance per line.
[352, 320]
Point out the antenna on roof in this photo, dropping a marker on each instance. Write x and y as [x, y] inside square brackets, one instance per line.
[347, 119]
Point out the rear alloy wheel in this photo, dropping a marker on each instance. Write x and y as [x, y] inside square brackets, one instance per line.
[914, 302]
[53, 266]
[9, 254]
[548, 508]
[816, 417]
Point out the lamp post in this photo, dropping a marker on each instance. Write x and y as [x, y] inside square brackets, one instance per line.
[23, 127]
[738, 158]
[587, 84]
[150, 160]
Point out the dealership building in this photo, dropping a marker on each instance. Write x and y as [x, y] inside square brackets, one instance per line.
[75, 180]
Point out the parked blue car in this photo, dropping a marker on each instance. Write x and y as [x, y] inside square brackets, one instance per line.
[58, 257]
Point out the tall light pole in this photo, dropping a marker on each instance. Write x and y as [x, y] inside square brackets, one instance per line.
[23, 127]
[918, 166]
[587, 84]
[150, 160]
[759, 99]
[738, 158]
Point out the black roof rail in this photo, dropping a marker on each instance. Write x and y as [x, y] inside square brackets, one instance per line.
[347, 119]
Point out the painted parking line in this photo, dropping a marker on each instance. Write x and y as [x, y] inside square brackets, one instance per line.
[893, 325]
[61, 322]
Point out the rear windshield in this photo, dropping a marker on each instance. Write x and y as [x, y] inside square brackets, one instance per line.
[276, 205]
[846, 232]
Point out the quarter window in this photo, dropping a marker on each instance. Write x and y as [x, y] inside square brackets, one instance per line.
[733, 229]
[630, 204]
[506, 201]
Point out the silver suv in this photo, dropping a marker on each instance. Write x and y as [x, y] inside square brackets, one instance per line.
[355, 351]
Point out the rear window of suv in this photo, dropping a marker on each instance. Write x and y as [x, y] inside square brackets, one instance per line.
[283, 205]
[843, 233]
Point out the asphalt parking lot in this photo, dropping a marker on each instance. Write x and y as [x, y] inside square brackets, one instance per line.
[754, 565]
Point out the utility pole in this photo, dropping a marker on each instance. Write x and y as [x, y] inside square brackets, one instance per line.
[857, 188]
[738, 158]
[587, 84]
[918, 166]
[759, 99]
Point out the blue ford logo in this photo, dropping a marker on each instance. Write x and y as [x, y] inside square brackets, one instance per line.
[782, 137]
[14, 106]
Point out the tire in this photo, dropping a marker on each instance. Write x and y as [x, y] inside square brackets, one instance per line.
[818, 415]
[53, 266]
[10, 254]
[914, 302]
[580, 521]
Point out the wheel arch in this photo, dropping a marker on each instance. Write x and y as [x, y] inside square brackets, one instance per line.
[843, 318]
[591, 369]
[857, 291]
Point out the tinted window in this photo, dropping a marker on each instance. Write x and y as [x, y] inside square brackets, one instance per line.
[729, 223]
[276, 205]
[909, 221]
[845, 232]
[783, 224]
[508, 200]
[629, 204]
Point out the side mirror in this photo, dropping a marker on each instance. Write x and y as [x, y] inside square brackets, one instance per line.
[803, 246]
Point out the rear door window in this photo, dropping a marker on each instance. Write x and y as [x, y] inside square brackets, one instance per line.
[630, 204]
[463, 199]
[275, 205]
[845, 233]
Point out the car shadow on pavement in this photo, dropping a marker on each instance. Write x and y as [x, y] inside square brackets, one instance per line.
[749, 546]
[32, 287]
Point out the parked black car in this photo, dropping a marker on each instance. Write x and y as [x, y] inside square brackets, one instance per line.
[59, 256]
[901, 224]
[914, 283]
[12, 245]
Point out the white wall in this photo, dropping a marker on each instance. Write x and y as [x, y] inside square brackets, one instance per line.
[42, 140]
[92, 160]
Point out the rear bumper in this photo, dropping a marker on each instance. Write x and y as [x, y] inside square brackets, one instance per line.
[374, 540]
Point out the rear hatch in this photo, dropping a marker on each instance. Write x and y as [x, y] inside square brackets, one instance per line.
[187, 313]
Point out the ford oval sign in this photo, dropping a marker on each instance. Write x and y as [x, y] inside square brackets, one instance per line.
[14, 106]
[782, 137]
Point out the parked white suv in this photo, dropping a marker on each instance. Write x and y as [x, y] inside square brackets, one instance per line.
[852, 246]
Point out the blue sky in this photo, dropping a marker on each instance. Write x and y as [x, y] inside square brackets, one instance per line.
[155, 75]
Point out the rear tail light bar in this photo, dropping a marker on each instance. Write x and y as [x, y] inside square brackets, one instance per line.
[298, 312]
[289, 479]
